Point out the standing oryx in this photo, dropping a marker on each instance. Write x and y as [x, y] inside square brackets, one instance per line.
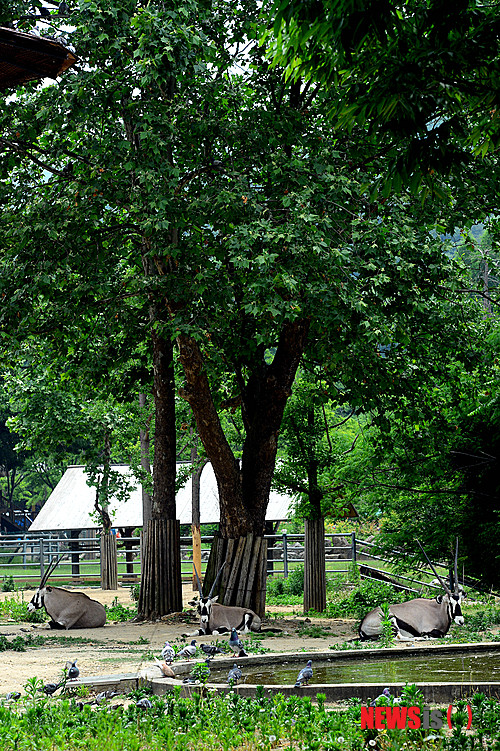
[218, 619]
[66, 609]
[420, 617]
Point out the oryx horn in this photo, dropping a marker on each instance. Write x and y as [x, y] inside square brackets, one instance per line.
[432, 567]
[51, 568]
[456, 568]
[216, 580]
[200, 590]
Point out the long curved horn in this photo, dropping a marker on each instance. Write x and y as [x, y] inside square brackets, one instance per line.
[200, 590]
[456, 569]
[216, 580]
[50, 569]
[432, 567]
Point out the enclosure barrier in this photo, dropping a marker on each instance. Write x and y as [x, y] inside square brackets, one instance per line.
[24, 558]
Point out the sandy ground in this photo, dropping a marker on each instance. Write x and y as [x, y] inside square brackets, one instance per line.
[130, 647]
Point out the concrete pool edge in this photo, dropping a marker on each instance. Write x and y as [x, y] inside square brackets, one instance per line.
[434, 692]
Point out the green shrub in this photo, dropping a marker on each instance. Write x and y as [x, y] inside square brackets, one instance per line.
[295, 581]
[289, 591]
[8, 584]
[358, 602]
[118, 612]
[15, 608]
[135, 591]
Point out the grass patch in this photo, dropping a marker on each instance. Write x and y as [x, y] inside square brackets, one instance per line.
[314, 632]
[118, 612]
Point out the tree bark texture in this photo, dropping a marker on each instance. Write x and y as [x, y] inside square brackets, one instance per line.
[163, 505]
[146, 466]
[243, 579]
[109, 562]
[314, 566]
[161, 586]
[244, 494]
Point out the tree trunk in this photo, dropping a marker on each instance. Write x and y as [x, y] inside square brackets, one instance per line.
[146, 466]
[161, 590]
[314, 566]
[244, 494]
[109, 562]
[161, 585]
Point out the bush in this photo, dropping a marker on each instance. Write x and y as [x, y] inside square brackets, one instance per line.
[278, 589]
[295, 581]
[360, 601]
[8, 584]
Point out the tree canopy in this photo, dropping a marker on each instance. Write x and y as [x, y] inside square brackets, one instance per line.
[420, 77]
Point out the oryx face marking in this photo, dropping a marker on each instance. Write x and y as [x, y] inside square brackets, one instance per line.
[205, 611]
[36, 601]
[456, 614]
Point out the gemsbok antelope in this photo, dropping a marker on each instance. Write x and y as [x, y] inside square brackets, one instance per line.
[66, 609]
[421, 617]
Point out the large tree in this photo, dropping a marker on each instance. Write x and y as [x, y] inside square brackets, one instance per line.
[179, 190]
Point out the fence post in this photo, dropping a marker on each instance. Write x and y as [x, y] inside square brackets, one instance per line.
[353, 547]
[285, 555]
[42, 564]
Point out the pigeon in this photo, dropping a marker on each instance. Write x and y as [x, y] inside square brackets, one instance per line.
[13, 696]
[305, 675]
[51, 688]
[236, 644]
[73, 671]
[166, 670]
[168, 653]
[386, 695]
[144, 703]
[211, 649]
[188, 651]
[234, 675]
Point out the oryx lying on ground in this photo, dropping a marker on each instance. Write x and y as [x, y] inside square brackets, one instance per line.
[218, 619]
[66, 609]
[420, 617]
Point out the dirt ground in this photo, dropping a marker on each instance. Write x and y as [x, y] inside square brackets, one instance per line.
[131, 647]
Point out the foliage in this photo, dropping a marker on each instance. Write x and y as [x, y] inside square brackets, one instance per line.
[231, 721]
[8, 583]
[314, 436]
[292, 586]
[16, 608]
[421, 83]
[359, 601]
[118, 612]
[387, 635]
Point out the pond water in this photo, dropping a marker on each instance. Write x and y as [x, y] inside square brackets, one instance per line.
[484, 666]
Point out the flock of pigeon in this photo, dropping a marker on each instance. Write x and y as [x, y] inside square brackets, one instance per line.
[211, 650]
[71, 671]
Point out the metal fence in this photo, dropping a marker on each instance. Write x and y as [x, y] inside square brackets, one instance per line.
[25, 558]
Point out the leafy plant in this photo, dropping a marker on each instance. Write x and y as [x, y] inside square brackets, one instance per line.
[15, 608]
[8, 584]
[134, 591]
[356, 603]
[118, 612]
[387, 636]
